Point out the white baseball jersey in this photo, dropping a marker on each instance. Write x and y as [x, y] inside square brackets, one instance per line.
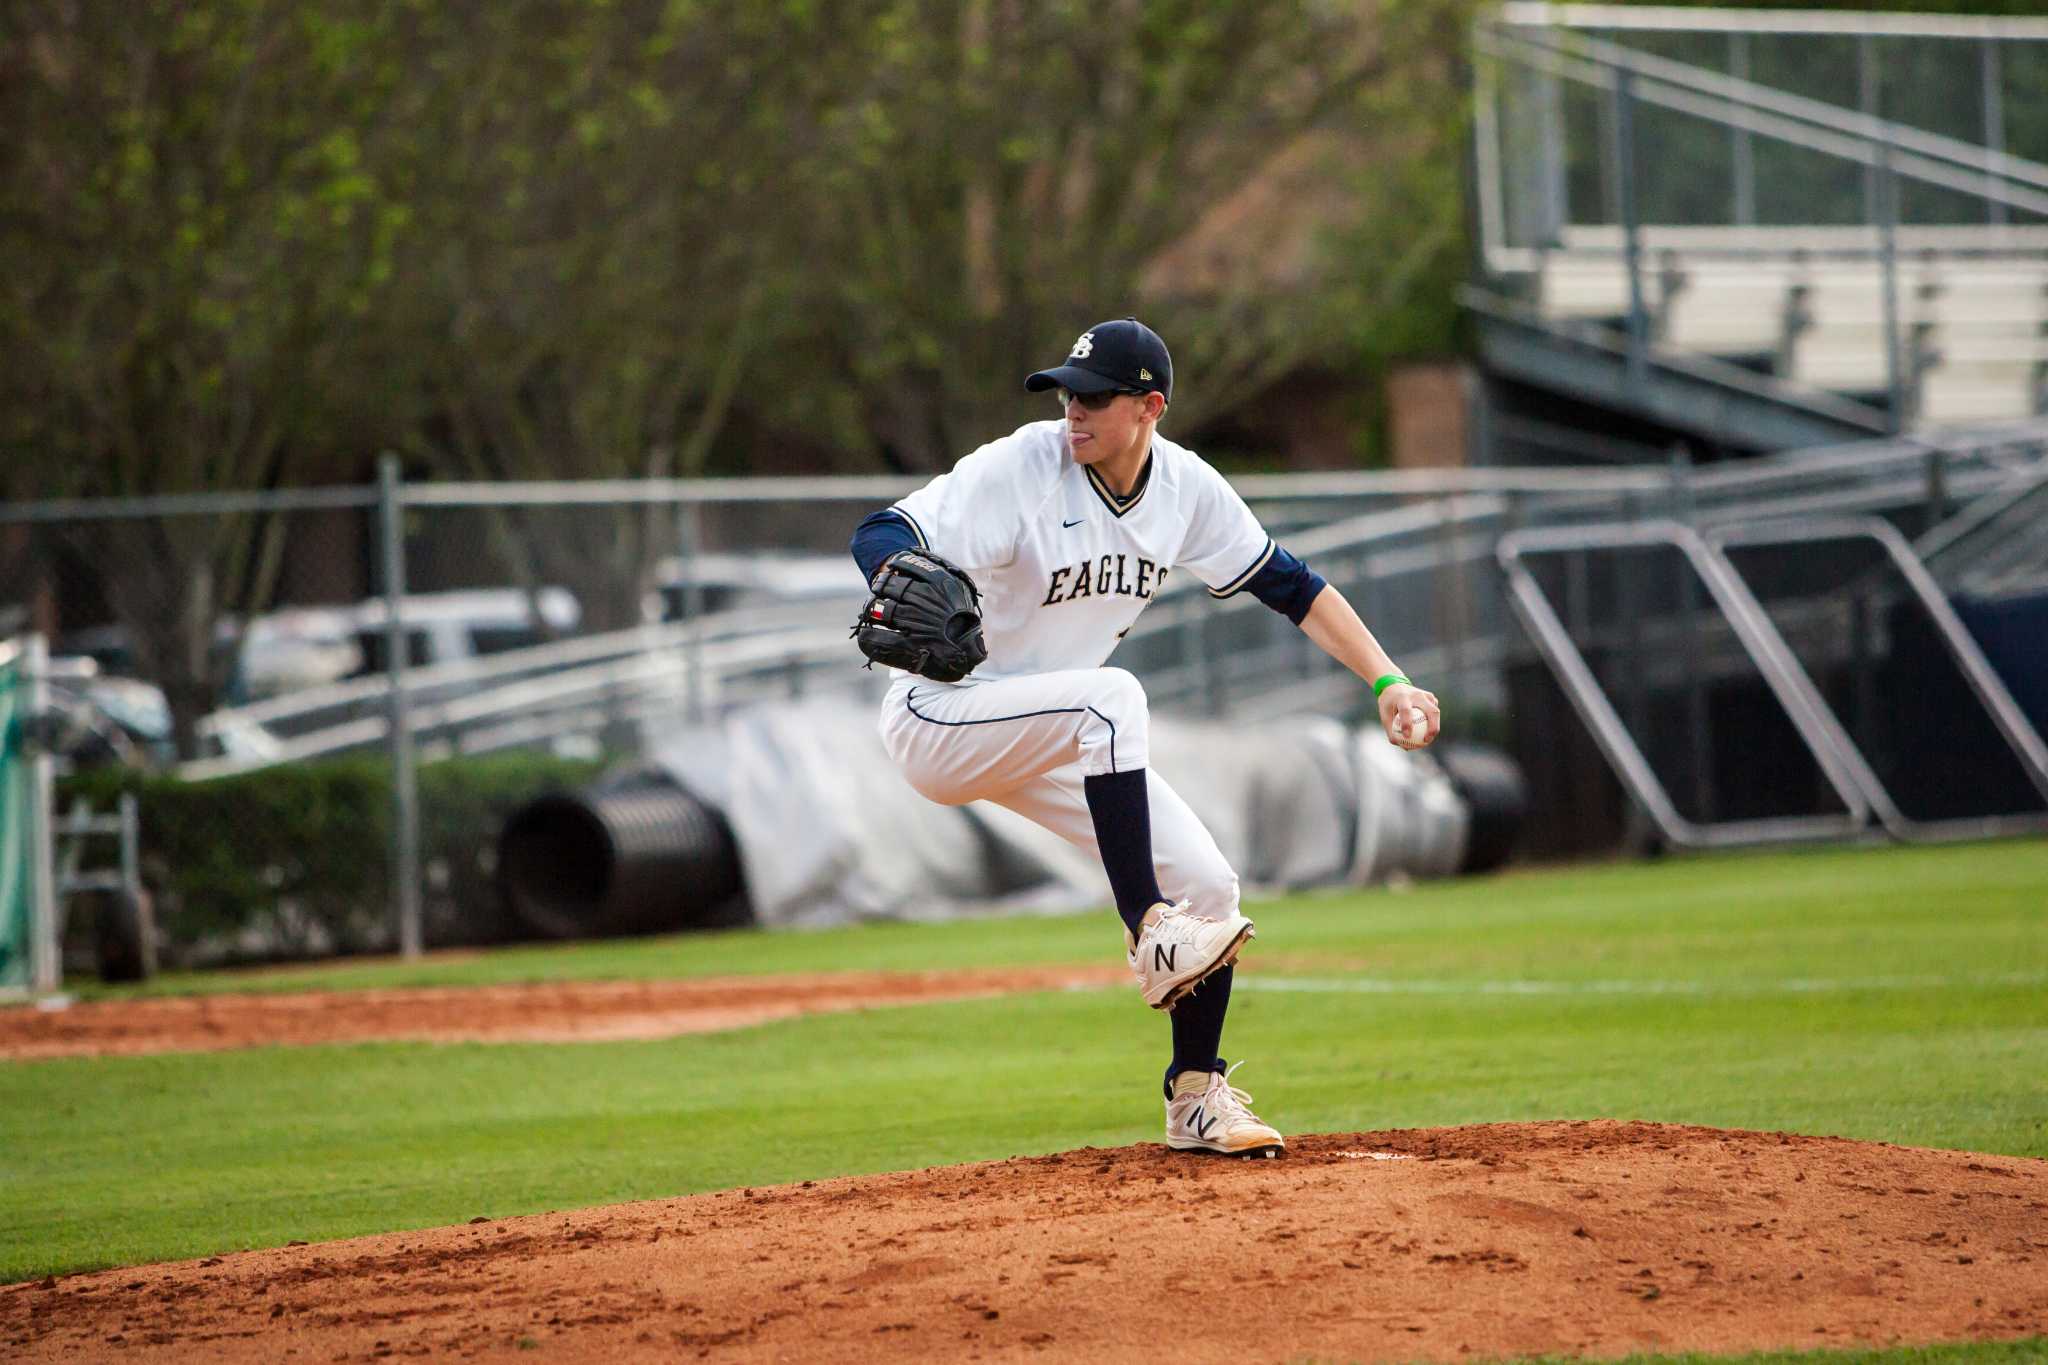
[1063, 564]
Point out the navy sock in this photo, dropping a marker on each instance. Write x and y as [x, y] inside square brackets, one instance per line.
[1122, 810]
[1198, 1027]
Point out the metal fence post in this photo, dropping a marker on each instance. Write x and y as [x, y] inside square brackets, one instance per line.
[1937, 487]
[1447, 589]
[1698, 719]
[1867, 99]
[1631, 227]
[1488, 183]
[1212, 666]
[405, 816]
[1994, 119]
[1742, 159]
[1888, 265]
[689, 544]
[1556, 202]
[45, 952]
[1639, 828]
[129, 813]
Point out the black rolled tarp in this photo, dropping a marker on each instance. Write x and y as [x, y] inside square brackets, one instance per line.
[1496, 798]
[634, 853]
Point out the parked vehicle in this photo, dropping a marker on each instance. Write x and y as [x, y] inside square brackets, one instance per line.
[102, 718]
[284, 651]
[725, 581]
[442, 627]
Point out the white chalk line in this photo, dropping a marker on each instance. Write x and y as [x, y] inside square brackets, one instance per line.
[1803, 985]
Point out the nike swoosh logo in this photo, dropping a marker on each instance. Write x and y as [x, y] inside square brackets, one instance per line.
[1073, 523]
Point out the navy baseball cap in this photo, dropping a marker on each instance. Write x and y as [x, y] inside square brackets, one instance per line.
[1124, 354]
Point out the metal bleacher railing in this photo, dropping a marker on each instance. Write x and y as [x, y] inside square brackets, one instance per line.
[1413, 549]
[1854, 207]
[1796, 591]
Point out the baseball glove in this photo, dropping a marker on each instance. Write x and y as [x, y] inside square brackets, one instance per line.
[924, 615]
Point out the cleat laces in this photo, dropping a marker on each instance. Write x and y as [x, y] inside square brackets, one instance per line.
[1229, 1103]
[1176, 924]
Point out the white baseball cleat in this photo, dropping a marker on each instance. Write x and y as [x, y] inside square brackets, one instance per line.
[1177, 950]
[1217, 1119]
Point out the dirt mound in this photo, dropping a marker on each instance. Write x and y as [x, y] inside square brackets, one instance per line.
[536, 1012]
[1595, 1238]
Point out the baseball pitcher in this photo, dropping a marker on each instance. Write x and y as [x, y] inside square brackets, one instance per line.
[1000, 588]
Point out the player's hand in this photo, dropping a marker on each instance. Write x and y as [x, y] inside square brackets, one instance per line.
[1400, 705]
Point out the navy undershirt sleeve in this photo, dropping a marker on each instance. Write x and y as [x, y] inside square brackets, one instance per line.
[880, 535]
[1286, 585]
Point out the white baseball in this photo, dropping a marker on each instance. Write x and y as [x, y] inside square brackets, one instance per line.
[1415, 725]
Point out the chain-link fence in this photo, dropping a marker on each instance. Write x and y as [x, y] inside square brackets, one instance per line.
[330, 701]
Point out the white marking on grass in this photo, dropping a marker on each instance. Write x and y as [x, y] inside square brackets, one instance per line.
[1798, 985]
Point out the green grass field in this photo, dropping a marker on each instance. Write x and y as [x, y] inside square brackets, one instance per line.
[1891, 994]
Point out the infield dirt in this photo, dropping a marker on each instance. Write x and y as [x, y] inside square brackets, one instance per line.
[1595, 1238]
[1592, 1238]
[535, 1012]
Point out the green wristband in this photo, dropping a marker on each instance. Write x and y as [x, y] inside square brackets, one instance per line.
[1385, 681]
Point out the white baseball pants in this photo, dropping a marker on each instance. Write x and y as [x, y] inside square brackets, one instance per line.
[1027, 743]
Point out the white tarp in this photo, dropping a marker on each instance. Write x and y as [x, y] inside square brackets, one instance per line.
[828, 831]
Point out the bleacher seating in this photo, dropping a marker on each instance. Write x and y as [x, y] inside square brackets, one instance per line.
[1806, 305]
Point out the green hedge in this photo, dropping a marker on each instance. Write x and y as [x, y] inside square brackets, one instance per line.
[294, 861]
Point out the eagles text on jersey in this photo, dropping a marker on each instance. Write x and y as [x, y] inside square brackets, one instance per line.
[1064, 564]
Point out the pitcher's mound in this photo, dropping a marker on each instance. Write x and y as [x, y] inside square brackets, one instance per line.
[1507, 1239]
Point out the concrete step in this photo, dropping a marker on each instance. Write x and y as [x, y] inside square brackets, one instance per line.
[1956, 400]
[1965, 349]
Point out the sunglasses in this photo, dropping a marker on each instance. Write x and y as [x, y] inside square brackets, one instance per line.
[1095, 402]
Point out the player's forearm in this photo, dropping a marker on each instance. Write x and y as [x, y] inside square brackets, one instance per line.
[1409, 714]
[882, 534]
[1335, 627]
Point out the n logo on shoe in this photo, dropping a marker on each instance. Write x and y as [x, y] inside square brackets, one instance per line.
[1201, 1121]
[1162, 956]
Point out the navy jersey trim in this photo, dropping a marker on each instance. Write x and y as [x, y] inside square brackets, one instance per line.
[910, 702]
[1287, 585]
[1118, 506]
[879, 535]
[923, 541]
[1236, 585]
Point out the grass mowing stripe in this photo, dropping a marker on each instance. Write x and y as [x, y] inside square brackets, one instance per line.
[1789, 986]
[116, 1160]
[1892, 910]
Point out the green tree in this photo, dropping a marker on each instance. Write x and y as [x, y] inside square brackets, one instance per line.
[595, 283]
[991, 176]
[194, 244]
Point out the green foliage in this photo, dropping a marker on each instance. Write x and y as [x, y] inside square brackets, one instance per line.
[294, 861]
[247, 244]
[564, 237]
[198, 220]
[993, 178]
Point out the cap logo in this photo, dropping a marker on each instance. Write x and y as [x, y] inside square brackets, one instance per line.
[1084, 347]
[1145, 374]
